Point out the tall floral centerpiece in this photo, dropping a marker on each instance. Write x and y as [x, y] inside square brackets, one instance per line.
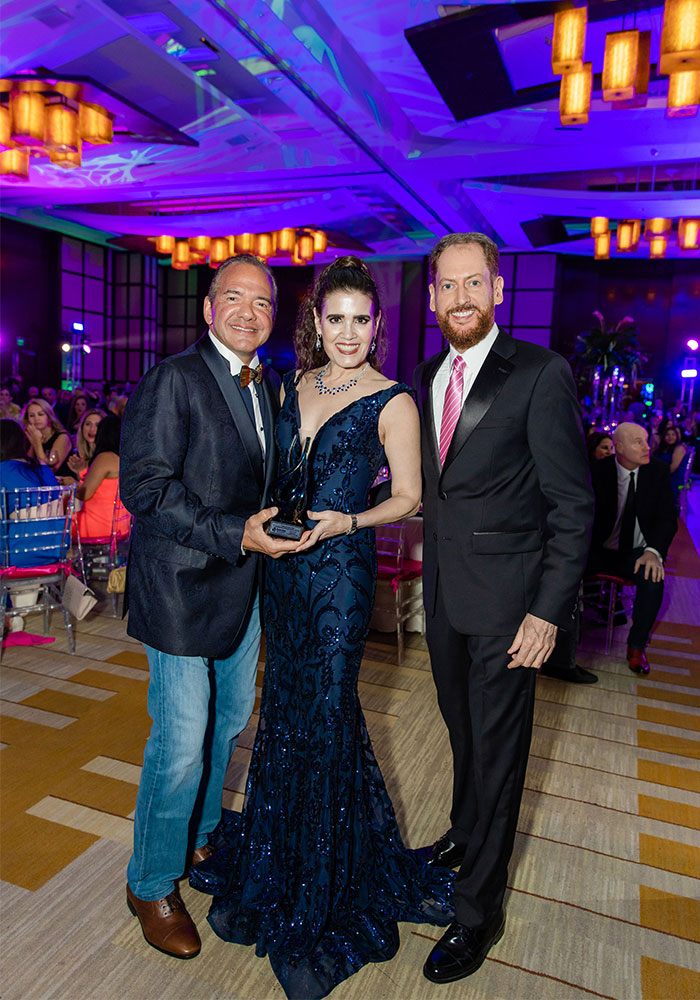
[607, 357]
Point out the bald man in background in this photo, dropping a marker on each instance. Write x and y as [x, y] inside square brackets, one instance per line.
[635, 521]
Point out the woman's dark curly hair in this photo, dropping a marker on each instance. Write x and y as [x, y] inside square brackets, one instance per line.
[346, 274]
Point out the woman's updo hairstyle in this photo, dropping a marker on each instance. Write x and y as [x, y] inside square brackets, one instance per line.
[346, 274]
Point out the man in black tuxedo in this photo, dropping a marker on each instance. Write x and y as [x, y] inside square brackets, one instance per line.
[507, 511]
[635, 521]
[197, 456]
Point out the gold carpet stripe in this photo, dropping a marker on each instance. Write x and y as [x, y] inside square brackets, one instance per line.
[661, 981]
[671, 856]
[80, 817]
[667, 774]
[34, 850]
[110, 768]
[669, 744]
[663, 911]
[31, 679]
[681, 680]
[666, 717]
[667, 811]
[661, 694]
[130, 658]
[27, 713]
[59, 702]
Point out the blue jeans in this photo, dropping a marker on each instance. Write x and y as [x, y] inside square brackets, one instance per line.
[198, 707]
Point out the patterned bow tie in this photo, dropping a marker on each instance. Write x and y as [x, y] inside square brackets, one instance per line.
[248, 375]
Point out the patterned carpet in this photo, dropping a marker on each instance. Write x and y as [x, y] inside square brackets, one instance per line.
[604, 887]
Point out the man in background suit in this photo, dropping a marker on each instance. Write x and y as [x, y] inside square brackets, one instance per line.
[507, 511]
[197, 456]
[635, 521]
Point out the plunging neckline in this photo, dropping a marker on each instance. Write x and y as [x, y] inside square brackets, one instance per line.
[321, 427]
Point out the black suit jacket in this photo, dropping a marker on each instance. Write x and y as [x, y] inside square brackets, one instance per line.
[654, 503]
[507, 520]
[191, 473]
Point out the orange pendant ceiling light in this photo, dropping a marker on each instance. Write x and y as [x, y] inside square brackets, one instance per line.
[165, 244]
[96, 124]
[181, 255]
[628, 233]
[680, 36]
[657, 227]
[305, 247]
[599, 225]
[27, 116]
[199, 246]
[575, 96]
[657, 247]
[68, 160]
[245, 243]
[14, 164]
[602, 246]
[568, 39]
[5, 127]
[218, 251]
[688, 233]
[620, 65]
[683, 94]
[286, 240]
[263, 245]
[320, 241]
[61, 133]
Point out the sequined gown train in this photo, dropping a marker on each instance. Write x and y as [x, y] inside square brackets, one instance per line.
[320, 875]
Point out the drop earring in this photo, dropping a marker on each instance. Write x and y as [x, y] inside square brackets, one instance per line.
[318, 342]
[373, 348]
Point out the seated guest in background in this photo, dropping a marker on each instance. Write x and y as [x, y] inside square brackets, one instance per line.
[18, 471]
[85, 441]
[49, 394]
[76, 410]
[599, 445]
[50, 442]
[98, 490]
[675, 454]
[8, 408]
[635, 521]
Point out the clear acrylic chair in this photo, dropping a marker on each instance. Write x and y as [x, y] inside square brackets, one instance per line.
[402, 574]
[95, 558]
[35, 526]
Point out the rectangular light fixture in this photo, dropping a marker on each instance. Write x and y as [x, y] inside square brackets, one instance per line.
[657, 247]
[575, 96]
[602, 246]
[683, 94]
[61, 134]
[27, 114]
[218, 251]
[165, 244]
[568, 39]
[14, 164]
[680, 36]
[628, 232]
[599, 225]
[688, 233]
[181, 256]
[620, 65]
[657, 227]
[96, 124]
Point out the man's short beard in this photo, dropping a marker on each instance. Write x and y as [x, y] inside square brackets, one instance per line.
[463, 339]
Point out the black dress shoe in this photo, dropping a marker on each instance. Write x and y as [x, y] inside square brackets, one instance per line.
[445, 854]
[461, 950]
[575, 675]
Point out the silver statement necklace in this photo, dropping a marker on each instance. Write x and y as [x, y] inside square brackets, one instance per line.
[333, 390]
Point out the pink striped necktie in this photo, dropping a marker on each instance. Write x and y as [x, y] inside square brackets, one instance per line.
[453, 406]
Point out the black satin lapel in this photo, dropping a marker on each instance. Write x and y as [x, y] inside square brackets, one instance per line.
[429, 373]
[489, 382]
[270, 397]
[231, 391]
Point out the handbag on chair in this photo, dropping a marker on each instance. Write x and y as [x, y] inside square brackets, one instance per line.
[77, 597]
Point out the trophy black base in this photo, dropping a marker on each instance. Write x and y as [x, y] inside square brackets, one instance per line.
[283, 529]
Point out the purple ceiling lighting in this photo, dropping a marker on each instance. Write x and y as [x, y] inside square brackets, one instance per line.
[320, 113]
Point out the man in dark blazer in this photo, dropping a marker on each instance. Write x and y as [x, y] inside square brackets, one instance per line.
[635, 521]
[197, 456]
[507, 508]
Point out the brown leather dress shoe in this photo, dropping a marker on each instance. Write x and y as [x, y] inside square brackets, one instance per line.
[166, 924]
[637, 661]
[201, 854]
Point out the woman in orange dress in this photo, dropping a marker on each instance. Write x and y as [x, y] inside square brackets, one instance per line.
[98, 490]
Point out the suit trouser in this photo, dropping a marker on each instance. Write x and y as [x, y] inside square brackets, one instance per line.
[648, 594]
[488, 712]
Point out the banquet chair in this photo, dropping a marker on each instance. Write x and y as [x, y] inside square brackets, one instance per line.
[604, 591]
[687, 485]
[35, 532]
[401, 573]
[95, 558]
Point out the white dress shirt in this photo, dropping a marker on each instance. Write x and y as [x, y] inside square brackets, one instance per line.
[623, 484]
[235, 364]
[474, 358]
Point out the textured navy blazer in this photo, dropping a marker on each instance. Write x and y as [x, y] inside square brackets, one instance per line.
[191, 473]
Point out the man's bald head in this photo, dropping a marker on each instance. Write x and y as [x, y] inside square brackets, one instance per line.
[631, 445]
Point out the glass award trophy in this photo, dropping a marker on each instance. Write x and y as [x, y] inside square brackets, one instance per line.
[289, 493]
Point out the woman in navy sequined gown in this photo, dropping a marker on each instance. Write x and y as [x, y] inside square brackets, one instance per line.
[319, 872]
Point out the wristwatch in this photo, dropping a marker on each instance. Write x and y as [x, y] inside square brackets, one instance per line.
[353, 527]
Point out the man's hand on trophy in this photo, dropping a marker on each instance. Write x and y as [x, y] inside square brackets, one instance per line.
[256, 539]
